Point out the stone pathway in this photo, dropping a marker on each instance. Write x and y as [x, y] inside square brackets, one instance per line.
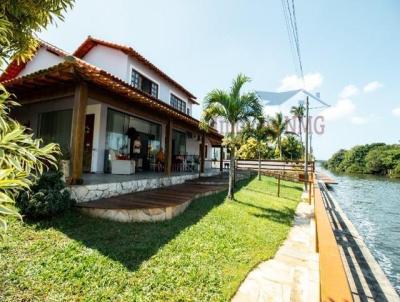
[293, 274]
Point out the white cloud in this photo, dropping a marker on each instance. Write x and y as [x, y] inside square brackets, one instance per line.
[396, 111]
[372, 86]
[359, 120]
[292, 82]
[341, 109]
[348, 91]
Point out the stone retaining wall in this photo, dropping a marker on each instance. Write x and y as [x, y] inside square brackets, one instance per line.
[83, 193]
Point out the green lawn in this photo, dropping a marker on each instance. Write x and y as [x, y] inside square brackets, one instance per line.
[201, 255]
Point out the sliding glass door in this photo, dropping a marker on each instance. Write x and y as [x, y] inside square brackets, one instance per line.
[55, 127]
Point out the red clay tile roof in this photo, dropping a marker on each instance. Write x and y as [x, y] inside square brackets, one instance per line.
[91, 42]
[15, 67]
[68, 71]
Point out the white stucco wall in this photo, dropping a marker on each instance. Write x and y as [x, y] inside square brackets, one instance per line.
[164, 88]
[111, 60]
[42, 60]
[119, 64]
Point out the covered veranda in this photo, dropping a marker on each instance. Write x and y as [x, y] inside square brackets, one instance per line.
[82, 85]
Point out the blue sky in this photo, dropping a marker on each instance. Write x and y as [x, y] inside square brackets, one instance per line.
[204, 44]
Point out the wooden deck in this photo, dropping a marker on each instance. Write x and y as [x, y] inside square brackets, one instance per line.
[163, 197]
[326, 179]
[157, 204]
[157, 198]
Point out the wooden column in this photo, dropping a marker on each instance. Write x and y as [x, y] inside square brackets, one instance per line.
[221, 159]
[168, 148]
[202, 155]
[78, 131]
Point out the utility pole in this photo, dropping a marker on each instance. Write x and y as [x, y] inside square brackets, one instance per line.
[306, 147]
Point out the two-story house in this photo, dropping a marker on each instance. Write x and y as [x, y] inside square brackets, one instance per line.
[107, 102]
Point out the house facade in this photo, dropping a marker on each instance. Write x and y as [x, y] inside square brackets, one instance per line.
[106, 102]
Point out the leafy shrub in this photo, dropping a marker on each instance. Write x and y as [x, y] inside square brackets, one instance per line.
[395, 173]
[249, 150]
[336, 159]
[48, 197]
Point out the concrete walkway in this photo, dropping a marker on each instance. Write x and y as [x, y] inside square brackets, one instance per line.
[293, 274]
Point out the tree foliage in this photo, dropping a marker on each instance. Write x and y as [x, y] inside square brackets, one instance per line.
[277, 126]
[291, 148]
[249, 150]
[21, 20]
[234, 107]
[369, 159]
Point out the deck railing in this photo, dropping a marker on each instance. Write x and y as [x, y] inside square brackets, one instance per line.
[276, 165]
[334, 284]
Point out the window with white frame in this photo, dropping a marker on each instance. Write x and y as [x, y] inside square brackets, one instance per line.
[177, 103]
[139, 81]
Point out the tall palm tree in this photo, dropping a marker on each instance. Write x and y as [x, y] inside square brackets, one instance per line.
[234, 107]
[299, 112]
[277, 126]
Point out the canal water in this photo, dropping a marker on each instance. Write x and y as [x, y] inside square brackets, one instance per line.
[372, 203]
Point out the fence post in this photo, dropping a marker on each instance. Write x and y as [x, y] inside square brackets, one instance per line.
[279, 185]
[309, 192]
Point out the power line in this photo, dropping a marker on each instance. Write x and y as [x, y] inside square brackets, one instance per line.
[291, 42]
[293, 33]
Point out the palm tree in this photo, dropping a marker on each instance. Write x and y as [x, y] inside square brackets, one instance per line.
[234, 107]
[277, 126]
[260, 133]
[299, 113]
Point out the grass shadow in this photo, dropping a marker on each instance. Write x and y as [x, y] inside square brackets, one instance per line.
[272, 194]
[132, 243]
[284, 216]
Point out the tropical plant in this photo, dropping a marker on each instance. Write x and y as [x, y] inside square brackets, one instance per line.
[277, 127]
[255, 131]
[22, 158]
[299, 112]
[20, 20]
[291, 147]
[234, 107]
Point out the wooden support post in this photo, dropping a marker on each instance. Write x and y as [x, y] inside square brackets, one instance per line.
[168, 148]
[279, 185]
[202, 155]
[78, 131]
[309, 192]
[221, 159]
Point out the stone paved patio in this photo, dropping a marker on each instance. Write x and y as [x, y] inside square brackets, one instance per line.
[293, 274]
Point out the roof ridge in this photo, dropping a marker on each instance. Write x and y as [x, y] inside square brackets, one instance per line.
[81, 51]
[46, 44]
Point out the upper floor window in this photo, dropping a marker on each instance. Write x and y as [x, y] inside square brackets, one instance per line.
[177, 103]
[141, 82]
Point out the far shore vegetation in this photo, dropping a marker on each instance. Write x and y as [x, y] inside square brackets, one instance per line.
[378, 159]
